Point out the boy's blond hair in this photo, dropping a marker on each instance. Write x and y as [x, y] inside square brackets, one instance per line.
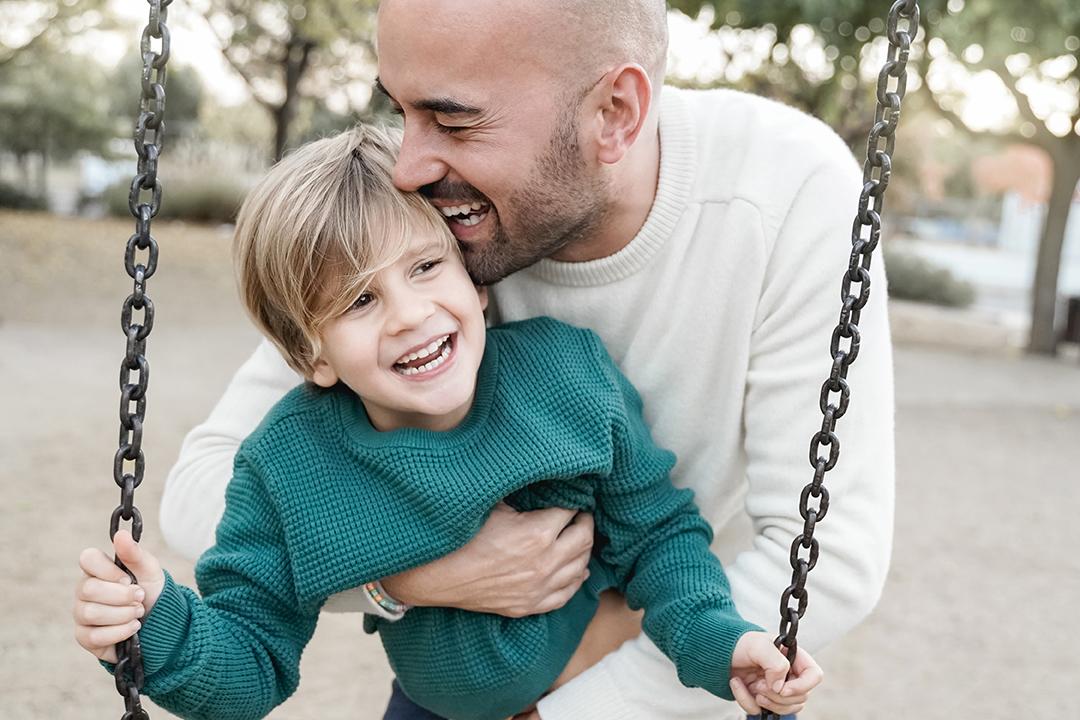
[313, 232]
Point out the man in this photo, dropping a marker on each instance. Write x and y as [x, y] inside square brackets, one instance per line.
[703, 236]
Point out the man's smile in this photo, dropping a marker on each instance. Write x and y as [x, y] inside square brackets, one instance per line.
[465, 214]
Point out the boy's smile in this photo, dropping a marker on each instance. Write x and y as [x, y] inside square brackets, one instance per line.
[410, 346]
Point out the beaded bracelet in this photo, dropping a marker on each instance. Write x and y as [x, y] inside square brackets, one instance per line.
[383, 600]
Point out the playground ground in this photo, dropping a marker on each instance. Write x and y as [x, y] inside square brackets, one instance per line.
[979, 614]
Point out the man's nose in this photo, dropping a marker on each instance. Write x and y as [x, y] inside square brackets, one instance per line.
[418, 164]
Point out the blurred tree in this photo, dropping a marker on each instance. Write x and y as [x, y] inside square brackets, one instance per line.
[286, 50]
[52, 105]
[183, 94]
[1033, 48]
[27, 24]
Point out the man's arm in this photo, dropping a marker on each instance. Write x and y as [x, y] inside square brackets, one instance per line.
[194, 497]
[798, 308]
[519, 563]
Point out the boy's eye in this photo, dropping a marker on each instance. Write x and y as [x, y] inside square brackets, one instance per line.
[364, 300]
[427, 266]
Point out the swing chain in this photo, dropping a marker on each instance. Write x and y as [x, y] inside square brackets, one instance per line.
[129, 462]
[854, 293]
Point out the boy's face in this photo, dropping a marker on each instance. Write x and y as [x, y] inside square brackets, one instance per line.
[423, 304]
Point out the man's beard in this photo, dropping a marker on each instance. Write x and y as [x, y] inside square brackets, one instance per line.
[559, 205]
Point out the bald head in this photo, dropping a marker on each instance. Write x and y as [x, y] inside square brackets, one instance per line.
[574, 39]
[601, 34]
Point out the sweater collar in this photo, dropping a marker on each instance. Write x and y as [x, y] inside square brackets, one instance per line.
[678, 164]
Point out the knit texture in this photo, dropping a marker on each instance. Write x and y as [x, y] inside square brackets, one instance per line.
[321, 502]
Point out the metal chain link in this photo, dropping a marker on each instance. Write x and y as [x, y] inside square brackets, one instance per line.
[854, 293]
[129, 463]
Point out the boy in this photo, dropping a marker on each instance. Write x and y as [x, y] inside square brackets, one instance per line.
[416, 422]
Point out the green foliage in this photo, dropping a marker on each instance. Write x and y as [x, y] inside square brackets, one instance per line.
[183, 93]
[27, 25]
[287, 51]
[53, 104]
[912, 278]
[16, 199]
[197, 199]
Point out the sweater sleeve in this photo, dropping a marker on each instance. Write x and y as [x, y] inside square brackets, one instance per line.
[235, 653]
[194, 497]
[798, 308]
[658, 544]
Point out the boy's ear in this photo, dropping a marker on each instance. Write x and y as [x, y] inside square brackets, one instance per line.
[322, 374]
[482, 292]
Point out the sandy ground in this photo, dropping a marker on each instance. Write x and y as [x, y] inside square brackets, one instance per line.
[978, 619]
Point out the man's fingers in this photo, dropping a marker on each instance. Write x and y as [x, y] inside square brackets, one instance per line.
[744, 698]
[553, 519]
[90, 613]
[97, 564]
[92, 589]
[570, 573]
[557, 599]
[576, 537]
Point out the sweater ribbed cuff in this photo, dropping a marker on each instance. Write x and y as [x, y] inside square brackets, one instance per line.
[704, 657]
[598, 698]
[165, 628]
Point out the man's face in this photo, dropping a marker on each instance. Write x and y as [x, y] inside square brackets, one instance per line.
[491, 136]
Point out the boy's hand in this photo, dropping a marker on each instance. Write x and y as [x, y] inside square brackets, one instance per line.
[759, 676]
[107, 605]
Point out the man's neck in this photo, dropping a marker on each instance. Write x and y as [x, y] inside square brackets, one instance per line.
[632, 192]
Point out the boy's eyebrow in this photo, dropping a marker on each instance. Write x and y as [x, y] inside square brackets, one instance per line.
[441, 105]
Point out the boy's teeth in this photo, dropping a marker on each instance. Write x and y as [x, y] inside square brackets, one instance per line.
[429, 366]
[423, 352]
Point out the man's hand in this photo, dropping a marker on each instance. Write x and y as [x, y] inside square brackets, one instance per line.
[518, 564]
[107, 605]
[759, 676]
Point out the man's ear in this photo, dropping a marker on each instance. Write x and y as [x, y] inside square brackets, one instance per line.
[482, 293]
[623, 105]
[322, 374]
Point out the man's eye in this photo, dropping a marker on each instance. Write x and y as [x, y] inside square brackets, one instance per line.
[363, 301]
[449, 129]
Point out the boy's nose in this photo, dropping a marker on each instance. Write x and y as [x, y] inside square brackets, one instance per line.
[408, 311]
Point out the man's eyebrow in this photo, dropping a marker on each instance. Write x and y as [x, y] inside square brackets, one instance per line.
[442, 105]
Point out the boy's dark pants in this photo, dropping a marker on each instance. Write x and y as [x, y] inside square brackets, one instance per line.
[402, 708]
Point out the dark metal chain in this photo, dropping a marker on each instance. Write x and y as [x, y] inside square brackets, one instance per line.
[129, 463]
[854, 293]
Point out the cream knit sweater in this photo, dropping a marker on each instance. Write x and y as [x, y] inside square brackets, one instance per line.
[720, 312]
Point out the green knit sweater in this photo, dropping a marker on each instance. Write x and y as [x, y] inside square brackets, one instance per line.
[320, 502]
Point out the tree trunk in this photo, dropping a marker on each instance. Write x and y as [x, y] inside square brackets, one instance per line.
[1044, 338]
[295, 61]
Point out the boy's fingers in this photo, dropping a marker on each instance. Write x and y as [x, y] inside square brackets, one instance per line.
[744, 698]
[96, 638]
[773, 663]
[807, 675]
[92, 589]
[97, 564]
[96, 614]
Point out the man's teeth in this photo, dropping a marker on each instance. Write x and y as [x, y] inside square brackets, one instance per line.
[471, 213]
[423, 353]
